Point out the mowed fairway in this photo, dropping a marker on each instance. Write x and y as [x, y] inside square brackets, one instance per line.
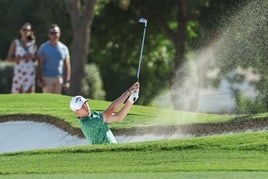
[235, 155]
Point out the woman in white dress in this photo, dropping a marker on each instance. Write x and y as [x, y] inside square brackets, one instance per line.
[23, 51]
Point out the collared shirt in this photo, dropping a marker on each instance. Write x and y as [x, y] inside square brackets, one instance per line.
[96, 129]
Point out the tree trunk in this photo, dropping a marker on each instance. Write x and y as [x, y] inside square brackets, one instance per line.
[79, 49]
[179, 44]
[81, 14]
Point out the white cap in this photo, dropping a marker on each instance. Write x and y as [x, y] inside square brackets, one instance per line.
[77, 102]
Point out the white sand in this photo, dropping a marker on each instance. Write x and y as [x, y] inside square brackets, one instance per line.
[28, 135]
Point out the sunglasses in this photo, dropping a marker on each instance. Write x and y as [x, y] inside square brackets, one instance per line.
[26, 30]
[53, 33]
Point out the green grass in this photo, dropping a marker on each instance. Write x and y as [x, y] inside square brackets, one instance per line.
[58, 106]
[236, 152]
[223, 156]
[158, 175]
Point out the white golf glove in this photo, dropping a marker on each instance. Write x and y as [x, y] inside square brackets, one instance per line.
[134, 96]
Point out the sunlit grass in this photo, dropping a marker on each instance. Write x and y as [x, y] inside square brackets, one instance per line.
[236, 152]
[58, 106]
[239, 154]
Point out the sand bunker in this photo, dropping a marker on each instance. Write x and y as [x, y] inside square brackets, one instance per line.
[28, 135]
[33, 134]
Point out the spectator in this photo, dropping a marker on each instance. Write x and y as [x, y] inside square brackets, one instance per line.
[54, 68]
[22, 51]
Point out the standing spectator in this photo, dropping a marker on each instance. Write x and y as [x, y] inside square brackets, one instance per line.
[54, 69]
[22, 51]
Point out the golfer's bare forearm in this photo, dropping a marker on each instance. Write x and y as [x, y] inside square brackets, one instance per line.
[124, 111]
[119, 101]
[115, 105]
[121, 114]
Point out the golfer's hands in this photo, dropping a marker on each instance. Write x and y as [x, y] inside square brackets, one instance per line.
[134, 87]
[134, 96]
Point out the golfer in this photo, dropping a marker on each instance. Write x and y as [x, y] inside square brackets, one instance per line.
[95, 124]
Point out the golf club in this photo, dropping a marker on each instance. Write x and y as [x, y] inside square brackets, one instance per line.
[141, 20]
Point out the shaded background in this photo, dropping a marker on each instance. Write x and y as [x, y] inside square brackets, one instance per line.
[197, 54]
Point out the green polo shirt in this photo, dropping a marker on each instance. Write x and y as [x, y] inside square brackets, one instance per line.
[96, 129]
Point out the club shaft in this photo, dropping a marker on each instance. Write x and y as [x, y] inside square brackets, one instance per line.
[142, 44]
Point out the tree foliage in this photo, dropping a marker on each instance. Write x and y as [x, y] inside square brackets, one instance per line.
[81, 17]
[115, 47]
[40, 14]
[175, 28]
